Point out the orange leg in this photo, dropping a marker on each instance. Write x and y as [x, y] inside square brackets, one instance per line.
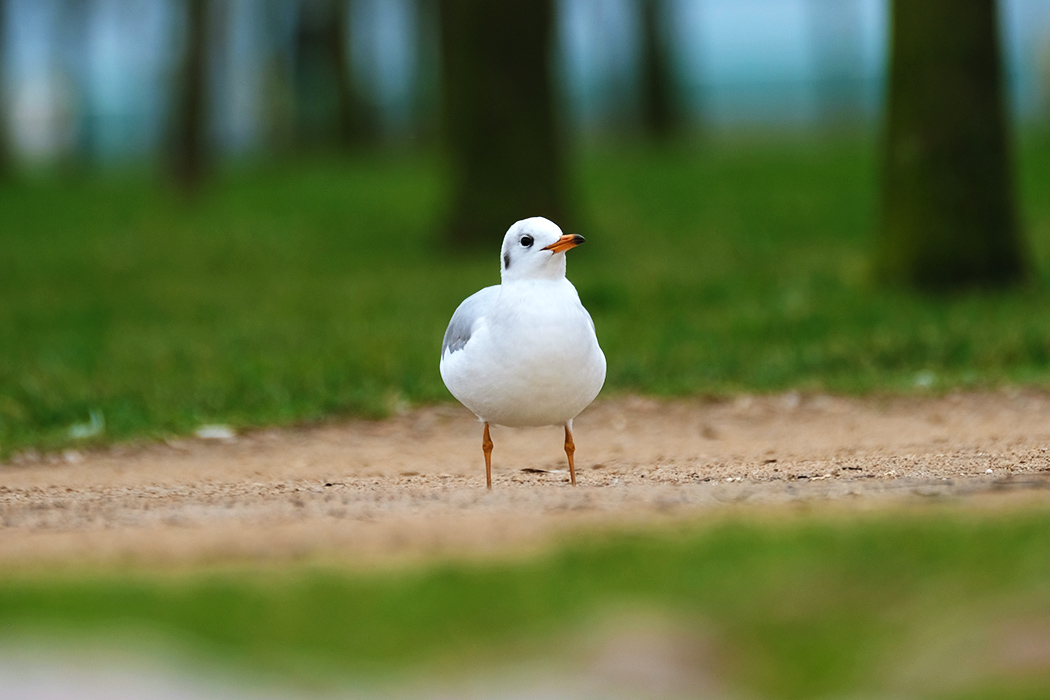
[570, 449]
[486, 447]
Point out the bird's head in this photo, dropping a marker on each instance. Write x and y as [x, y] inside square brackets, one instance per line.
[535, 249]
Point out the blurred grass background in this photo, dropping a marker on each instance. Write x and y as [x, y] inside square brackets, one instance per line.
[931, 604]
[310, 288]
[318, 289]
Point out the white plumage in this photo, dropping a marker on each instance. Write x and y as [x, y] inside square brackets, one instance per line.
[524, 352]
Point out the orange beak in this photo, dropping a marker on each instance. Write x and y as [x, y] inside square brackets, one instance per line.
[565, 243]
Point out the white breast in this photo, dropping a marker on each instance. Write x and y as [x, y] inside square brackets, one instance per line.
[533, 359]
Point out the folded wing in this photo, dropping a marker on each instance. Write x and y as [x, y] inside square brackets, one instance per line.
[457, 335]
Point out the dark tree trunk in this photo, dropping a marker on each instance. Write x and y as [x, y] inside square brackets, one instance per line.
[426, 100]
[949, 216]
[327, 102]
[190, 157]
[660, 118]
[499, 117]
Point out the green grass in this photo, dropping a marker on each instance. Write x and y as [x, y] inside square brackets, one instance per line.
[317, 290]
[933, 605]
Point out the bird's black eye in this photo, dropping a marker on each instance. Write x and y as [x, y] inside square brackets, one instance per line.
[526, 241]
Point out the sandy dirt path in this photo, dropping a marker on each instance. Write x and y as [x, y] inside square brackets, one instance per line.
[414, 485]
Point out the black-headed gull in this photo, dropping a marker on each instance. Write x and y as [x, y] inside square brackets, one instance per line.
[524, 352]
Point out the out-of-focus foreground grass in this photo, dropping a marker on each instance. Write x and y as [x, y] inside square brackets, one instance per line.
[315, 290]
[937, 604]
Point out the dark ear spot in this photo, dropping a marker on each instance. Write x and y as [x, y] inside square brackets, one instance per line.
[506, 261]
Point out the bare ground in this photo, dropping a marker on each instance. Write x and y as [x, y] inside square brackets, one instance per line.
[413, 485]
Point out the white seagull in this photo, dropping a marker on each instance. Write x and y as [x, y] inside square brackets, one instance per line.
[523, 352]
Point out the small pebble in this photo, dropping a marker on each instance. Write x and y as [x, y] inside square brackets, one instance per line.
[215, 432]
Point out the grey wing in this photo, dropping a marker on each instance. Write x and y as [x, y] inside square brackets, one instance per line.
[462, 324]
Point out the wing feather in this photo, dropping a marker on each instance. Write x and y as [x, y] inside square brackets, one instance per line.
[460, 328]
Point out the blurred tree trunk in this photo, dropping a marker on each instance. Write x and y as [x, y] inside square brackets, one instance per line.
[949, 216]
[499, 118]
[660, 117]
[190, 157]
[835, 34]
[5, 144]
[75, 63]
[426, 102]
[328, 106]
[278, 100]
